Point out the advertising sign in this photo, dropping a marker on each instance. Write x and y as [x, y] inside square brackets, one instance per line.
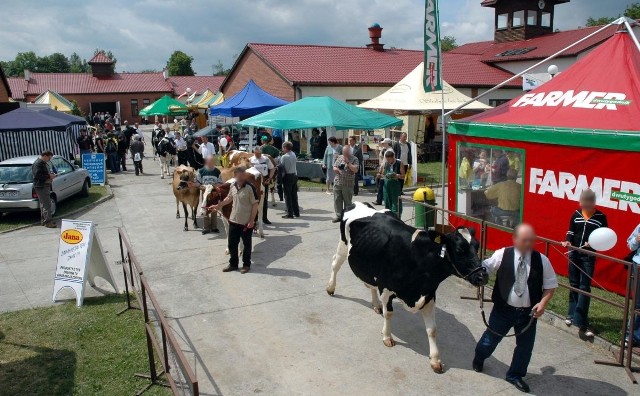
[432, 79]
[80, 259]
[95, 164]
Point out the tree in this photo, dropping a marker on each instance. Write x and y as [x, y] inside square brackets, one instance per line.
[599, 21]
[77, 64]
[219, 69]
[54, 63]
[633, 11]
[75, 110]
[179, 64]
[448, 43]
[24, 60]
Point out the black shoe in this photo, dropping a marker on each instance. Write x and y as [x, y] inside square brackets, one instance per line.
[377, 203]
[266, 221]
[230, 268]
[205, 232]
[336, 220]
[287, 217]
[245, 269]
[298, 215]
[478, 365]
[215, 231]
[519, 384]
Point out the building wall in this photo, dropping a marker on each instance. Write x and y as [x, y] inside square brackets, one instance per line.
[500, 94]
[4, 95]
[124, 99]
[350, 94]
[251, 67]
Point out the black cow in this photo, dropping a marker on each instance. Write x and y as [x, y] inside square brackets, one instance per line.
[396, 260]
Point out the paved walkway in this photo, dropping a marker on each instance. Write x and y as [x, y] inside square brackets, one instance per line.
[275, 331]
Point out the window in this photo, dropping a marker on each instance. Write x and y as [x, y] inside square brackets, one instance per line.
[145, 103]
[134, 107]
[545, 20]
[61, 166]
[490, 183]
[503, 21]
[497, 102]
[532, 18]
[518, 19]
[517, 51]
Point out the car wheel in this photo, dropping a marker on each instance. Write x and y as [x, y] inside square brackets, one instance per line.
[54, 206]
[85, 189]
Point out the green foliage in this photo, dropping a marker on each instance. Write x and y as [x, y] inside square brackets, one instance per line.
[75, 110]
[633, 11]
[54, 63]
[77, 64]
[219, 69]
[448, 43]
[179, 64]
[599, 21]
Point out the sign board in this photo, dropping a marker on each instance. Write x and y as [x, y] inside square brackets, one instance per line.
[531, 81]
[95, 164]
[80, 259]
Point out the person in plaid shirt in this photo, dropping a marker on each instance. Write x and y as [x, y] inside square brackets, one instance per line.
[346, 168]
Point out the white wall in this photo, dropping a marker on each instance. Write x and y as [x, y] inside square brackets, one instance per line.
[344, 93]
[503, 93]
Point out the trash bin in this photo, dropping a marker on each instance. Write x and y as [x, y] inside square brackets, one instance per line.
[425, 217]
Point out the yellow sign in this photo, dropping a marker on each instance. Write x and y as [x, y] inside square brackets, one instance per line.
[71, 237]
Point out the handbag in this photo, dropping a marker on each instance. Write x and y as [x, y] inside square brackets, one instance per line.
[137, 157]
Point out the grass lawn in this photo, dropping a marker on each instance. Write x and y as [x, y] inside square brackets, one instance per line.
[310, 183]
[431, 172]
[10, 221]
[65, 350]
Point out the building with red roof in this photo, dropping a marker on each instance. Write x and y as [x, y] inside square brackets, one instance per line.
[524, 35]
[104, 90]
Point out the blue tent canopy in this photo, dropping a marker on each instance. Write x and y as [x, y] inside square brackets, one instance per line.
[24, 119]
[71, 119]
[252, 100]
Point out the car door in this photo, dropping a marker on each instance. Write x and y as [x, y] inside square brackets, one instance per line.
[65, 186]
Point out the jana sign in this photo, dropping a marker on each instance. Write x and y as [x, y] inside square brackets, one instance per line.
[80, 259]
[432, 73]
[95, 164]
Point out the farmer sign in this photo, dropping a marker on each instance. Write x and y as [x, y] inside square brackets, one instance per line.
[432, 51]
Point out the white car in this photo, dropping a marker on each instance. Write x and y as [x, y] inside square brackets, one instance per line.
[16, 183]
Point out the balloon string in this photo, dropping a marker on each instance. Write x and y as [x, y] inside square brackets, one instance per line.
[581, 270]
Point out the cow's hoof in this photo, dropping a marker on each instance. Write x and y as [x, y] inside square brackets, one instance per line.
[185, 229]
[377, 310]
[177, 216]
[389, 342]
[274, 204]
[330, 292]
[226, 252]
[437, 368]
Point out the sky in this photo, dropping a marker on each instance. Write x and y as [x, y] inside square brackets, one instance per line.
[143, 33]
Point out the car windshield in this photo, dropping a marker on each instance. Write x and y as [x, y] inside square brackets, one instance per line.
[15, 174]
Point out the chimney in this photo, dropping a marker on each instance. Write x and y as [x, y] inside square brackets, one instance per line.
[165, 74]
[27, 75]
[375, 33]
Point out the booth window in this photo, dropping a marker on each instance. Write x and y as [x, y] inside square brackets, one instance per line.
[503, 21]
[518, 19]
[545, 20]
[497, 102]
[145, 103]
[532, 18]
[489, 183]
[134, 107]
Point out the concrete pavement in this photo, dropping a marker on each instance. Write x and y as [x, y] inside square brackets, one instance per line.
[274, 331]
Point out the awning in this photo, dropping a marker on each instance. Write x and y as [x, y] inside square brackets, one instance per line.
[55, 100]
[251, 100]
[166, 105]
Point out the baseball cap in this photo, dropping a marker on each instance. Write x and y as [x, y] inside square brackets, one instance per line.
[264, 138]
[387, 141]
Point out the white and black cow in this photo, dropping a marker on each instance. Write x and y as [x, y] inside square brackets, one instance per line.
[396, 260]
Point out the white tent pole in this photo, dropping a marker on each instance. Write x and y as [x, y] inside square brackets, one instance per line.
[444, 128]
[616, 22]
[632, 33]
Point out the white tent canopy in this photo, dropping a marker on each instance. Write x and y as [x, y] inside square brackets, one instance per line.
[409, 95]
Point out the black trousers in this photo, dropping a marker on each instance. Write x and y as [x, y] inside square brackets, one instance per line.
[265, 202]
[290, 186]
[239, 232]
[182, 158]
[137, 166]
[122, 157]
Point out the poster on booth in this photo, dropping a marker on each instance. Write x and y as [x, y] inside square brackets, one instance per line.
[94, 163]
[80, 259]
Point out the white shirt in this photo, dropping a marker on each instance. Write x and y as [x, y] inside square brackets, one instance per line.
[262, 164]
[139, 132]
[549, 281]
[404, 153]
[181, 144]
[207, 149]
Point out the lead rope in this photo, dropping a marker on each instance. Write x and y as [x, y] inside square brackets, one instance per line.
[484, 319]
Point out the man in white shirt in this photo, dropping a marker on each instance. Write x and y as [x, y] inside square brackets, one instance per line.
[525, 282]
[266, 168]
[136, 126]
[181, 148]
[206, 148]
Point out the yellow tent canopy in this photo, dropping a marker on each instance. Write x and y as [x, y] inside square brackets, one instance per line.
[208, 98]
[55, 100]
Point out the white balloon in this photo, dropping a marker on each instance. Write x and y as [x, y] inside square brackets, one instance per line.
[223, 142]
[603, 239]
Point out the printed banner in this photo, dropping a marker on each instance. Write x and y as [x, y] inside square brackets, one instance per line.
[432, 80]
[94, 163]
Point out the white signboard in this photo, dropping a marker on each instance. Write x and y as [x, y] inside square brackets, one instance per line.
[80, 259]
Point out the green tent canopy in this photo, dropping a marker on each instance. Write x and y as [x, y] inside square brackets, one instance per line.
[319, 112]
[166, 105]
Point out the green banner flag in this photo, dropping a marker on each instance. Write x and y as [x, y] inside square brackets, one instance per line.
[432, 80]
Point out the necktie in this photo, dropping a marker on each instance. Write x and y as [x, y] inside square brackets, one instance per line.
[521, 278]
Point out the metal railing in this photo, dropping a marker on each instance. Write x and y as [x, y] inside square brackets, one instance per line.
[624, 356]
[160, 338]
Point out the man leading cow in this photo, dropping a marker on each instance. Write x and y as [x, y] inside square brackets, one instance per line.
[525, 282]
[205, 176]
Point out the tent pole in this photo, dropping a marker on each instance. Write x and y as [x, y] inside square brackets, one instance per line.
[616, 22]
[444, 128]
[632, 34]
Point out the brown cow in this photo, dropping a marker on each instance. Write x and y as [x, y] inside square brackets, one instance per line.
[182, 175]
[237, 157]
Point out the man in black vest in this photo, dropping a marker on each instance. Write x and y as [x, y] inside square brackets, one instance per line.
[525, 282]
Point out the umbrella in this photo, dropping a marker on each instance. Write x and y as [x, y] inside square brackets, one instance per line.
[166, 105]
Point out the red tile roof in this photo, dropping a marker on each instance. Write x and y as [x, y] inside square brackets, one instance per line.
[463, 70]
[18, 87]
[85, 83]
[196, 83]
[329, 65]
[100, 57]
[541, 47]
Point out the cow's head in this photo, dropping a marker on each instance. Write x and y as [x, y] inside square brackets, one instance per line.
[212, 195]
[185, 175]
[457, 250]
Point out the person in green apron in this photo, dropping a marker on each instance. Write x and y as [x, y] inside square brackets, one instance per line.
[393, 173]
